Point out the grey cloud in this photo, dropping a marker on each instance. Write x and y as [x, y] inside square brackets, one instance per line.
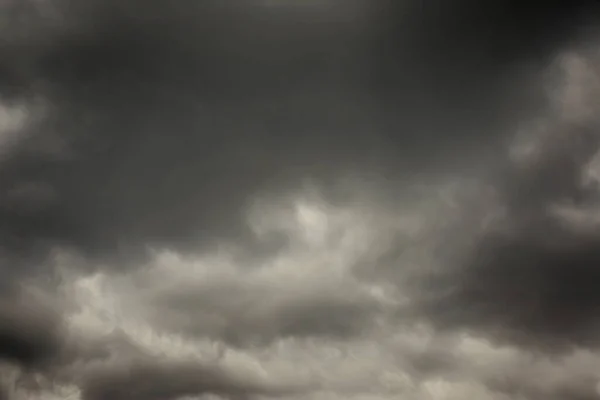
[285, 295]
[29, 198]
[261, 315]
[531, 278]
[555, 172]
[30, 333]
[121, 85]
[166, 118]
[36, 341]
[41, 344]
[570, 377]
[147, 380]
[505, 371]
[160, 122]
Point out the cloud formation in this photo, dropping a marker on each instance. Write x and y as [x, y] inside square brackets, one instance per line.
[300, 201]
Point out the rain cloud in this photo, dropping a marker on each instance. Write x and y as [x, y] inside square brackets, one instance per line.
[299, 200]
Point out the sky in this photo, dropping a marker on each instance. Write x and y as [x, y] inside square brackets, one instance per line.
[299, 200]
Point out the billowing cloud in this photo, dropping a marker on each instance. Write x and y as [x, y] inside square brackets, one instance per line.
[327, 200]
[531, 276]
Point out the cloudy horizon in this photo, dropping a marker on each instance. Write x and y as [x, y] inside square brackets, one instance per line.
[299, 200]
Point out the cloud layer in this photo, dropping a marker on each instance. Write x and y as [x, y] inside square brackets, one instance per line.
[298, 200]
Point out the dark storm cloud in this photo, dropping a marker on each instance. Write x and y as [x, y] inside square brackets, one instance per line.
[32, 338]
[164, 118]
[260, 315]
[150, 124]
[149, 380]
[532, 278]
[468, 68]
[29, 334]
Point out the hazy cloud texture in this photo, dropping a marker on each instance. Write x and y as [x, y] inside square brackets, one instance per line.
[300, 200]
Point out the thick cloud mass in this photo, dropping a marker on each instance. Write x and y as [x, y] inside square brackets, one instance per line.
[300, 200]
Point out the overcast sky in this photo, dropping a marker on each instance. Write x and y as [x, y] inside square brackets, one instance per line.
[299, 200]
